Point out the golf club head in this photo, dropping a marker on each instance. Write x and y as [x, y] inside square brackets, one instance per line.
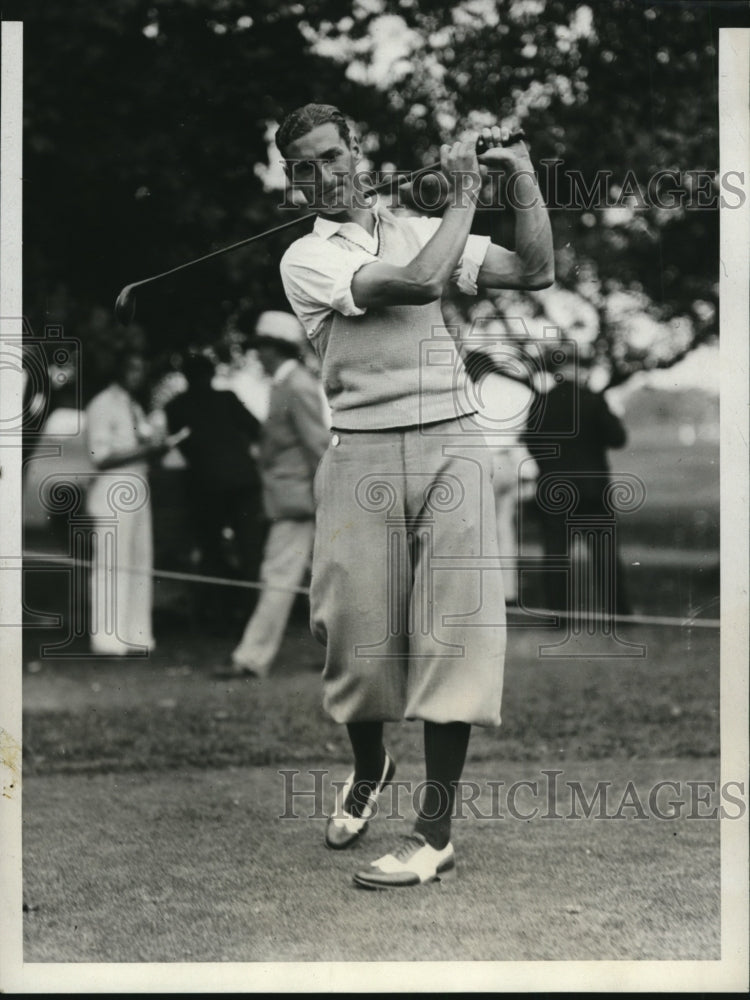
[125, 305]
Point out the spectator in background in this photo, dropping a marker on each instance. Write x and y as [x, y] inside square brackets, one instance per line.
[239, 370]
[54, 450]
[503, 401]
[120, 440]
[295, 435]
[224, 482]
[569, 430]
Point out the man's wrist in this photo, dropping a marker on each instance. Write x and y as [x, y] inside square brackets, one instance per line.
[466, 199]
[464, 188]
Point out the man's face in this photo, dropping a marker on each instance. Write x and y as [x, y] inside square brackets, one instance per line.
[323, 167]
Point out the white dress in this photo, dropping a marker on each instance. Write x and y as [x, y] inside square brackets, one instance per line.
[118, 501]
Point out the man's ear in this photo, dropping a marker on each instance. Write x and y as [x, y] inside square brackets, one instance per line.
[355, 147]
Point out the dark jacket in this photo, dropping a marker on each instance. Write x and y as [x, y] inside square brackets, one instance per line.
[222, 431]
[580, 426]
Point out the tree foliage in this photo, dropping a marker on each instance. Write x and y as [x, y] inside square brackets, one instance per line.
[610, 94]
[146, 134]
[144, 123]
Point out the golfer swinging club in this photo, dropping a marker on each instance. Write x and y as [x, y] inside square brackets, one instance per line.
[404, 489]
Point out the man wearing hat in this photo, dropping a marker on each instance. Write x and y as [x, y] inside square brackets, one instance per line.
[294, 437]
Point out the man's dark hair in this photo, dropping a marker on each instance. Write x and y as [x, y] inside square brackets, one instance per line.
[305, 119]
[198, 368]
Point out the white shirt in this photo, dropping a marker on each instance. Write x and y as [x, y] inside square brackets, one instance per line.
[116, 423]
[317, 272]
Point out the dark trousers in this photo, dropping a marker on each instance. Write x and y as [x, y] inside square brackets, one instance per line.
[213, 510]
[560, 590]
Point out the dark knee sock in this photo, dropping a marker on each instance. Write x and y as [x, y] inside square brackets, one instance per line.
[445, 746]
[369, 759]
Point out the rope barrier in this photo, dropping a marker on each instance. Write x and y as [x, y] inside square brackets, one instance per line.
[659, 620]
[166, 574]
[169, 574]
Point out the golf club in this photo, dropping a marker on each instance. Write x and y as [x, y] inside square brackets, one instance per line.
[126, 300]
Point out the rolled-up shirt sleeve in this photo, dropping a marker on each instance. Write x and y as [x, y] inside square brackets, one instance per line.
[475, 250]
[317, 279]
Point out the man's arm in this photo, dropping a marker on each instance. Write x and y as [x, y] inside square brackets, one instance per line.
[425, 277]
[532, 264]
[307, 415]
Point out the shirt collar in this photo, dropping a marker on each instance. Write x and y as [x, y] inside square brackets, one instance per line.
[353, 232]
[284, 369]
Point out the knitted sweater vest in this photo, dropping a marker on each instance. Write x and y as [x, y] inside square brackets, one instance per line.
[395, 366]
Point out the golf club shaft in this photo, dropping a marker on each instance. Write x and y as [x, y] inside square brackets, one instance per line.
[128, 290]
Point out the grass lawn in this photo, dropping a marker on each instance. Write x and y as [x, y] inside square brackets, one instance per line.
[197, 866]
[153, 791]
[168, 711]
[152, 797]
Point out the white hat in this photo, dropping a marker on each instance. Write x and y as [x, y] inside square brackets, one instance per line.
[280, 326]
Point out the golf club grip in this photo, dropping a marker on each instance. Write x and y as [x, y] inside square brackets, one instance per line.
[518, 136]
